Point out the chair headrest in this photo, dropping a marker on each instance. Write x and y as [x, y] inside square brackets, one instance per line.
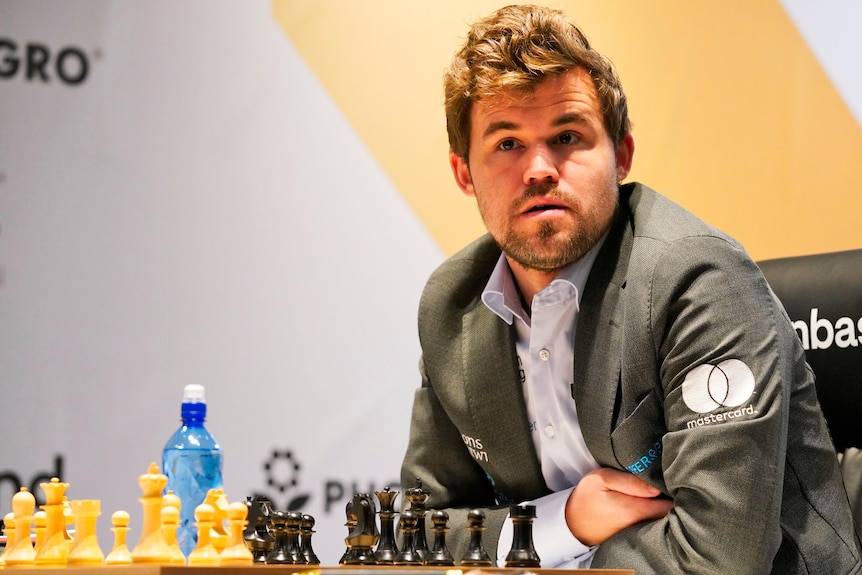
[823, 296]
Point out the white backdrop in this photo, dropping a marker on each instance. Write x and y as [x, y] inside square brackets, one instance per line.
[196, 210]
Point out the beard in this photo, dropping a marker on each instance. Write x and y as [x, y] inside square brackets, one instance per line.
[554, 245]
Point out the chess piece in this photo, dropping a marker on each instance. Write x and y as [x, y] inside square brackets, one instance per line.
[306, 530]
[68, 520]
[350, 523]
[172, 499]
[292, 528]
[204, 552]
[120, 554]
[55, 550]
[439, 555]
[170, 517]
[9, 530]
[476, 556]
[387, 548]
[236, 552]
[85, 550]
[218, 500]
[407, 528]
[151, 547]
[259, 540]
[361, 513]
[21, 553]
[39, 526]
[417, 496]
[255, 508]
[170, 520]
[279, 554]
[522, 554]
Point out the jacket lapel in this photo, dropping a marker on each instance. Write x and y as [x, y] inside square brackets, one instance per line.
[496, 401]
[598, 340]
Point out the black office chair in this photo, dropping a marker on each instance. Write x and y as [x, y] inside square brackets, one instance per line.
[823, 297]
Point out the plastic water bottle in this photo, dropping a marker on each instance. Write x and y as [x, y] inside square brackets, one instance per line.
[192, 460]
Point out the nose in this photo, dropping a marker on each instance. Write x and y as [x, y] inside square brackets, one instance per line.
[540, 166]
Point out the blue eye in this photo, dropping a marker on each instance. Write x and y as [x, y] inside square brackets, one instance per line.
[507, 145]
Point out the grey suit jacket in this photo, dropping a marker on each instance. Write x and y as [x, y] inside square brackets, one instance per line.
[751, 469]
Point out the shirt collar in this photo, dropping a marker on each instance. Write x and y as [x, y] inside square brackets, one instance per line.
[501, 294]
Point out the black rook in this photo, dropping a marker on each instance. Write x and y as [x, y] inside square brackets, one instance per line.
[522, 554]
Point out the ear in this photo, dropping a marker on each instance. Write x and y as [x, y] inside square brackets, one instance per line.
[461, 171]
[625, 153]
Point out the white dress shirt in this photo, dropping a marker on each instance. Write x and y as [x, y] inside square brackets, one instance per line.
[545, 349]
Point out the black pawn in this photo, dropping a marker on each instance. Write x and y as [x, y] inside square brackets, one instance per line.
[439, 554]
[279, 554]
[407, 527]
[522, 554]
[476, 556]
[417, 498]
[387, 548]
[292, 525]
[306, 530]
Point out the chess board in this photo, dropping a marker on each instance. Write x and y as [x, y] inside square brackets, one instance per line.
[318, 570]
[157, 552]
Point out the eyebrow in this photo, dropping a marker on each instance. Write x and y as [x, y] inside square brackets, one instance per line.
[565, 119]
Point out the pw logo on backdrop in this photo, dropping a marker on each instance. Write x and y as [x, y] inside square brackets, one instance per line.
[282, 471]
[282, 474]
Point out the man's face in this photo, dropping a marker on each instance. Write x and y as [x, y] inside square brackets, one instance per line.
[544, 171]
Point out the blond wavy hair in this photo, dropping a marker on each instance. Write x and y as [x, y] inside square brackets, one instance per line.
[510, 53]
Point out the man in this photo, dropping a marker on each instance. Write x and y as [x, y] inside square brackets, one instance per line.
[602, 353]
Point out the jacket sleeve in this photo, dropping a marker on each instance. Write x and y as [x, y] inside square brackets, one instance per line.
[729, 365]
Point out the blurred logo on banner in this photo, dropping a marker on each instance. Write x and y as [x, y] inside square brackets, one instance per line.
[12, 481]
[39, 62]
[282, 473]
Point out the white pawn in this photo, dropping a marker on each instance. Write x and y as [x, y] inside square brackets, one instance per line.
[120, 554]
[170, 523]
[9, 530]
[205, 552]
[21, 554]
[40, 522]
[237, 552]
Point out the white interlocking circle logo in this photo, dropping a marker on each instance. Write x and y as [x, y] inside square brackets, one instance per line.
[708, 387]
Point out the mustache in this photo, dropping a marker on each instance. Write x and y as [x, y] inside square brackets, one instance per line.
[548, 190]
[542, 189]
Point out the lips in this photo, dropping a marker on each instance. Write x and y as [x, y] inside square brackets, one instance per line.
[540, 205]
[544, 207]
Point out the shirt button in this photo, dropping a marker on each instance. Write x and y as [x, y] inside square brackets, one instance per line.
[544, 354]
[549, 431]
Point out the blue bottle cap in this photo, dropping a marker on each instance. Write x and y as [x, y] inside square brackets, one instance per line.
[194, 402]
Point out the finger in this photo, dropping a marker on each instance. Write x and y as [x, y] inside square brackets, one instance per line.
[626, 483]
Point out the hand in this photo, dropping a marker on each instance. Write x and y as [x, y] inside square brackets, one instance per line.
[607, 500]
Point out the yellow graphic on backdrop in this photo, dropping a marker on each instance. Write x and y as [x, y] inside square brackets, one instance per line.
[734, 117]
